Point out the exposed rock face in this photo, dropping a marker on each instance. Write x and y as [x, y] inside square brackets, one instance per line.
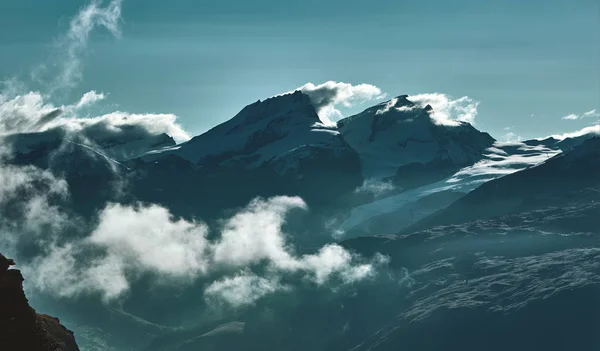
[21, 328]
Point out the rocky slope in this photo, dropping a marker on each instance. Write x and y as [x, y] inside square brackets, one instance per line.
[567, 176]
[21, 328]
[526, 281]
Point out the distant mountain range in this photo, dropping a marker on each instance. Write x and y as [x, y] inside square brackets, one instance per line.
[480, 233]
[279, 146]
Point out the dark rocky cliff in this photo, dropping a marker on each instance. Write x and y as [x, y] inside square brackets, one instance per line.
[21, 328]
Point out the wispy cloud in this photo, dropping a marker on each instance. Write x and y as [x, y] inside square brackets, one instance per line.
[74, 43]
[589, 114]
[595, 129]
[327, 96]
[512, 137]
[27, 195]
[89, 98]
[27, 112]
[244, 288]
[375, 187]
[447, 110]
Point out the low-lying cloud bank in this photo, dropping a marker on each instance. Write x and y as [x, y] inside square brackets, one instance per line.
[146, 239]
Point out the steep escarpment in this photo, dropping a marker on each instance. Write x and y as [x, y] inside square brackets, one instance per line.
[21, 328]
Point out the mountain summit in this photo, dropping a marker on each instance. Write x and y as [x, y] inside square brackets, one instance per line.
[277, 132]
[397, 137]
[284, 129]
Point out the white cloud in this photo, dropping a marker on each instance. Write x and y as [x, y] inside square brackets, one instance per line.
[242, 289]
[26, 194]
[595, 129]
[151, 238]
[122, 123]
[89, 98]
[15, 180]
[375, 187]
[446, 110]
[23, 113]
[329, 260]
[129, 241]
[326, 96]
[512, 137]
[390, 104]
[589, 114]
[75, 42]
[61, 273]
[254, 234]
[31, 113]
[570, 117]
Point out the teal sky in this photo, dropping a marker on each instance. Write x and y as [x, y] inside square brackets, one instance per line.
[528, 62]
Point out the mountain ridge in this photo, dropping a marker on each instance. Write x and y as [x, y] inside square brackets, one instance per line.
[573, 170]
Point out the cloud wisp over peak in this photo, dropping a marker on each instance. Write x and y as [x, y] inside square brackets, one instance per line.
[594, 129]
[447, 110]
[327, 96]
[90, 98]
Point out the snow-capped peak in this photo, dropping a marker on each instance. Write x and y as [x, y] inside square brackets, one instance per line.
[283, 129]
[261, 132]
[398, 132]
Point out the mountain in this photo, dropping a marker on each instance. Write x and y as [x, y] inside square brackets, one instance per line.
[93, 177]
[566, 177]
[562, 144]
[279, 132]
[21, 328]
[499, 160]
[525, 281]
[394, 140]
[471, 285]
[280, 146]
[119, 147]
[462, 262]
[399, 141]
[272, 147]
[404, 216]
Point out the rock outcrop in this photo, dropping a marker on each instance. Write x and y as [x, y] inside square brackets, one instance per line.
[21, 328]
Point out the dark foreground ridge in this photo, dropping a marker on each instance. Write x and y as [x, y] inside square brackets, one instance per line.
[21, 328]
